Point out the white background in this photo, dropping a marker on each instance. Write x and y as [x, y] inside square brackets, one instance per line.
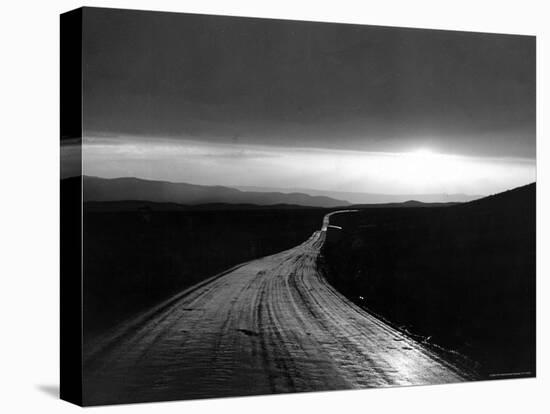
[29, 191]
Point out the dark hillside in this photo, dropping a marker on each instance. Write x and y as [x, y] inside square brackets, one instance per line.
[136, 254]
[462, 276]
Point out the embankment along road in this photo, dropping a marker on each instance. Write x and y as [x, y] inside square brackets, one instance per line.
[271, 325]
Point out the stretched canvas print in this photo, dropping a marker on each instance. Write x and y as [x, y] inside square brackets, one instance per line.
[259, 206]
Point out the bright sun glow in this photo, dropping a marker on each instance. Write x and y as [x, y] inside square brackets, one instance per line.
[423, 152]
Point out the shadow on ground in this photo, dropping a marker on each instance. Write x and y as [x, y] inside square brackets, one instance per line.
[51, 390]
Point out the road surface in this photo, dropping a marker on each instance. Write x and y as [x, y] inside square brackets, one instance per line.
[271, 325]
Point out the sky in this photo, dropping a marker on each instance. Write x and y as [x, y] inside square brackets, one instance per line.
[273, 103]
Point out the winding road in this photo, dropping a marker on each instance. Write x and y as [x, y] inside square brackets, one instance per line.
[270, 325]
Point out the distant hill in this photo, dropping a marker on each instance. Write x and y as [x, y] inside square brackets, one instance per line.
[373, 198]
[144, 205]
[409, 203]
[119, 189]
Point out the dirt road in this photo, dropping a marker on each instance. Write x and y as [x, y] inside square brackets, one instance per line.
[271, 325]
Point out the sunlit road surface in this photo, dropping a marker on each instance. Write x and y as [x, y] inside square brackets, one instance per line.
[271, 325]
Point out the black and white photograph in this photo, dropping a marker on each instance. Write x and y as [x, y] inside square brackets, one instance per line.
[274, 206]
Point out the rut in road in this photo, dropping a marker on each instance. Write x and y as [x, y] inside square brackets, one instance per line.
[271, 325]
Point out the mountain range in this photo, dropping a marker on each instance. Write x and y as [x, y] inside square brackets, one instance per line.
[137, 189]
[119, 189]
[373, 198]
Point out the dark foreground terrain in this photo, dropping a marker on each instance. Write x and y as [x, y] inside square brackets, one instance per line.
[426, 295]
[136, 254]
[461, 277]
[271, 325]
